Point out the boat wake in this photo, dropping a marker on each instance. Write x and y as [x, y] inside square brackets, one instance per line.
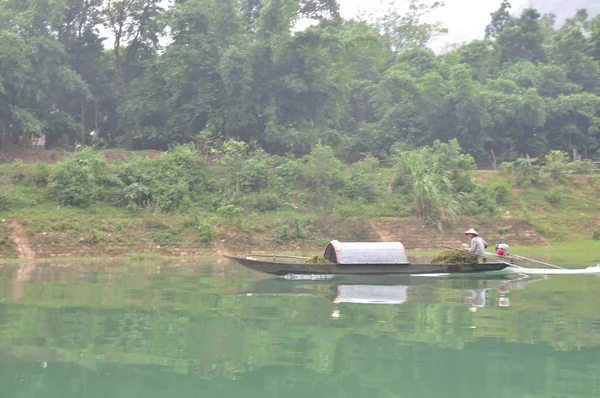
[302, 277]
[595, 270]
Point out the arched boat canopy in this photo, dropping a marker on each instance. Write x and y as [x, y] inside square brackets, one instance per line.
[365, 253]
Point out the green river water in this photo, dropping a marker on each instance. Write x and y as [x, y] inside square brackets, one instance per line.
[213, 329]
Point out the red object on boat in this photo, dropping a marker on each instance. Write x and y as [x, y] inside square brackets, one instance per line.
[500, 251]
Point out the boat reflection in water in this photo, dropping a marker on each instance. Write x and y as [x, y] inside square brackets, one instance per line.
[371, 294]
[475, 293]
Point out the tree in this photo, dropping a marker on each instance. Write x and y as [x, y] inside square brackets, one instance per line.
[137, 25]
[405, 28]
[500, 18]
[595, 38]
[521, 38]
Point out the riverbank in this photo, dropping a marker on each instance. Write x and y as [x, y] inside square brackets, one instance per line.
[283, 214]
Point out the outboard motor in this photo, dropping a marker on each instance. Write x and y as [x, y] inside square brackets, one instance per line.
[502, 249]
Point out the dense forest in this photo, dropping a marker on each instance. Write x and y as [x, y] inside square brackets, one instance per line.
[207, 70]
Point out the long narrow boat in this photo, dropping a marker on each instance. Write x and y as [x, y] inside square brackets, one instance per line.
[363, 258]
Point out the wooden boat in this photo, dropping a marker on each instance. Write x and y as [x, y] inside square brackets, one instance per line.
[361, 258]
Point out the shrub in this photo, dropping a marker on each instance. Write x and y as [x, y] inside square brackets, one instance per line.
[231, 214]
[501, 193]
[558, 166]
[256, 172]
[481, 202]
[503, 230]
[165, 237]
[596, 235]
[82, 179]
[206, 232]
[265, 202]
[554, 197]
[289, 232]
[507, 168]
[170, 181]
[431, 178]
[161, 233]
[323, 169]
[362, 185]
[528, 172]
[28, 173]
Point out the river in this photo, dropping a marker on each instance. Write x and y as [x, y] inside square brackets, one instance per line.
[209, 328]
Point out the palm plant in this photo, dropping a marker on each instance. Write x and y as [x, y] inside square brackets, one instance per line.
[434, 196]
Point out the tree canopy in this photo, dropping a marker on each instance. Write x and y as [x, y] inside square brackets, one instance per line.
[238, 69]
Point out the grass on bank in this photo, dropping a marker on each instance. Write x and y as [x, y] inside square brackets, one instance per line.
[304, 203]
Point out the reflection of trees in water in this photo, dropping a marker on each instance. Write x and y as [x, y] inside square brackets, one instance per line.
[189, 324]
[363, 366]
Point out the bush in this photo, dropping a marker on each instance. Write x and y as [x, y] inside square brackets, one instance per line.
[528, 172]
[323, 169]
[481, 202]
[256, 172]
[596, 235]
[19, 196]
[289, 232]
[558, 166]
[554, 197]
[206, 232]
[170, 181]
[503, 230]
[231, 214]
[436, 181]
[161, 233]
[166, 237]
[82, 179]
[507, 168]
[365, 186]
[502, 193]
[265, 202]
[27, 173]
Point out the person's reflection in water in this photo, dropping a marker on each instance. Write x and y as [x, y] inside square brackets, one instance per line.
[503, 302]
[478, 298]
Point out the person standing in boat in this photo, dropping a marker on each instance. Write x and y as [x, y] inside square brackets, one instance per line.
[478, 245]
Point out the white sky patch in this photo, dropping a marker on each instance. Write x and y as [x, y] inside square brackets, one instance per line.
[465, 19]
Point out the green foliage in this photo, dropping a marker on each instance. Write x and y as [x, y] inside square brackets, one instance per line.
[558, 166]
[257, 172]
[481, 202]
[321, 169]
[82, 179]
[485, 201]
[7, 244]
[364, 186]
[161, 233]
[202, 226]
[502, 193]
[454, 257]
[554, 196]
[355, 86]
[317, 260]
[507, 168]
[169, 181]
[264, 202]
[231, 215]
[527, 173]
[503, 230]
[289, 232]
[434, 175]
[206, 232]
